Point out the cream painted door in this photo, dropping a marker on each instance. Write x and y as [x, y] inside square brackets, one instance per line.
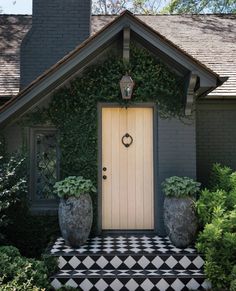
[127, 184]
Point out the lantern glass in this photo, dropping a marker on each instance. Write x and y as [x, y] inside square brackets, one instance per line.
[126, 87]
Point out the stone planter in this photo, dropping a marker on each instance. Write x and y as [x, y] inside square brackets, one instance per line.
[75, 219]
[180, 220]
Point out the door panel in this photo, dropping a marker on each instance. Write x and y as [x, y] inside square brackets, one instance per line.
[127, 191]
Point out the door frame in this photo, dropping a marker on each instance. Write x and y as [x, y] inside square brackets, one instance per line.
[157, 209]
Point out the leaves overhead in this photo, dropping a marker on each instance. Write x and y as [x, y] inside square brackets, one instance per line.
[201, 6]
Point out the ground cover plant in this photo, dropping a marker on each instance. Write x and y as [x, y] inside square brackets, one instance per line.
[22, 274]
[217, 241]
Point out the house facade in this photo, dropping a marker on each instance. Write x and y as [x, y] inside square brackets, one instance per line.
[60, 85]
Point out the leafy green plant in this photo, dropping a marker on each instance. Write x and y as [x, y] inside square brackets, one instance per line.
[180, 187]
[220, 178]
[12, 186]
[216, 209]
[218, 244]
[20, 273]
[73, 186]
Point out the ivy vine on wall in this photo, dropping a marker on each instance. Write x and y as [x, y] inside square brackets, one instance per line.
[73, 109]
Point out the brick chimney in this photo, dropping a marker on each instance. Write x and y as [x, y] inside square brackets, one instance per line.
[58, 26]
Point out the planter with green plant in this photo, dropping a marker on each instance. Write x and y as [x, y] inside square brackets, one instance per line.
[75, 209]
[179, 210]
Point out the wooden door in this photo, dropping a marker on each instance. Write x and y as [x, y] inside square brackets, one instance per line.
[127, 170]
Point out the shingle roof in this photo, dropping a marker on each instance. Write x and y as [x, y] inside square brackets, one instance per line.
[208, 38]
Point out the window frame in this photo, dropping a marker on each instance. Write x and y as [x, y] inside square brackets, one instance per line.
[43, 205]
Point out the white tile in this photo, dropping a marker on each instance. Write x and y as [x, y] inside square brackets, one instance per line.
[86, 285]
[61, 262]
[88, 262]
[162, 285]
[116, 285]
[198, 262]
[135, 250]
[157, 262]
[101, 285]
[74, 262]
[171, 262]
[185, 262]
[130, 262]
[71, 283]
[131, 285]
[143, 262]
[102, 262]
[177, 285]
[116, 262]
[147, 285]
[193, 285]
[56, 284]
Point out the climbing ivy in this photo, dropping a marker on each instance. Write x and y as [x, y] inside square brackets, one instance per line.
[73, 108]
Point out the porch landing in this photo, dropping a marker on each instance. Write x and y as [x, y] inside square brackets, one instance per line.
[128, 262]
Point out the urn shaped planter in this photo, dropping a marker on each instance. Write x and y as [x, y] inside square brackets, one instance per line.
[75, 209]
[180, 221]
[75, 219]
[179, 210]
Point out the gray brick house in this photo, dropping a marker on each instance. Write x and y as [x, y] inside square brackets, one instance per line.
[41, 53]
[133, 148]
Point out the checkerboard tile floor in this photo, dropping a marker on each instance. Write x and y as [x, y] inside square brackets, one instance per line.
[121, 245]
[129, 262]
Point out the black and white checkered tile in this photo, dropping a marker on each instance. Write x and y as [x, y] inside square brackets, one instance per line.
[121, 245]
[128, 263]
[134, 262]
[128, 280]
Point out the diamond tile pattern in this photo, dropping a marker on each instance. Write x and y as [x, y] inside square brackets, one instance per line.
[128, 263]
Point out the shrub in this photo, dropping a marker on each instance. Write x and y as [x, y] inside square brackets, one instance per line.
[220, 178]
[12, 186]
[20, 273]
[210, 203]
[217, 212]
[180, 187]
[73, 186]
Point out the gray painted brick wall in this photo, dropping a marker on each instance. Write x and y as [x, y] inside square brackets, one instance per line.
[216, 138]
[58, 27]
[176, 154]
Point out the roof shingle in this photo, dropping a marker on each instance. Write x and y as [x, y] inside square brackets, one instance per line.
[208, 38]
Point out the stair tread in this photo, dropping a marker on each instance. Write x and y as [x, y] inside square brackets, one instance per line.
[122, 245]
[128, 273]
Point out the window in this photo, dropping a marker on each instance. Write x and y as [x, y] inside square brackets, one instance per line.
[44, 167]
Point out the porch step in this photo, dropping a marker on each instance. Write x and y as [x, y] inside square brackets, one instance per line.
[128, 263]
[162, 280]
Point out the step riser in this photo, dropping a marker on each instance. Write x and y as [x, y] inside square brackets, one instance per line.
[123, 284]
[82, 262]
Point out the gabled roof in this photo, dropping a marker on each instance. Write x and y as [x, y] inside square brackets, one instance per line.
[66, 67]
[208, 38]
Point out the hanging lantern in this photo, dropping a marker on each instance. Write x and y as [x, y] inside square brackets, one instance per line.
[126, 87]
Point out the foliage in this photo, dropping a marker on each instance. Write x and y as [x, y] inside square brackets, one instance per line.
[12, 185]
[20, 273]
[73, 186]
[136, 6]
[222, 194]
[201, 6]
[218, 243]
[180, 187]
[217, 212]
[220, 178]
[233, 279]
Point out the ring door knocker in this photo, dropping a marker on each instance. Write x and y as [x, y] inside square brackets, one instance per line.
[127, 140]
